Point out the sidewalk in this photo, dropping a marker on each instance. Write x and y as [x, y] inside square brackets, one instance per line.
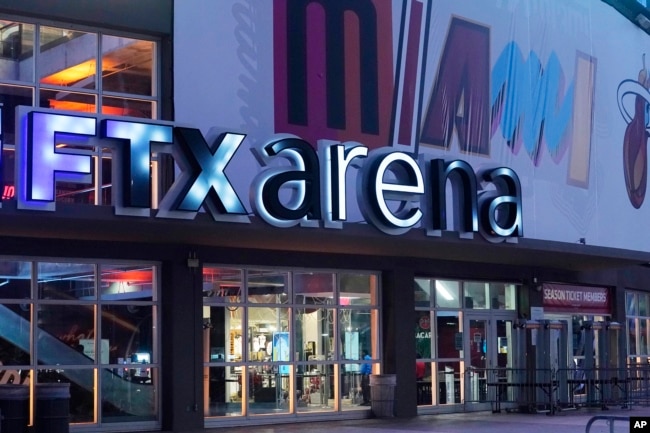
[480, 422]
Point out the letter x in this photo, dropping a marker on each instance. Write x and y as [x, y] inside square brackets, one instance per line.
[207, 181]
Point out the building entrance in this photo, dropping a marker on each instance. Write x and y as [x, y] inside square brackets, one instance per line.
[489, 353]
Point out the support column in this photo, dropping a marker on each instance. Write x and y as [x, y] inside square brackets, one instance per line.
[181, 346]
[398, 306]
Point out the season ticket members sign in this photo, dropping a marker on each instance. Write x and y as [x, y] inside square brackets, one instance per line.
[583, 299]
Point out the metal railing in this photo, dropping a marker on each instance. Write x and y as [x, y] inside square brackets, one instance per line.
[610, 420]
[554, 390]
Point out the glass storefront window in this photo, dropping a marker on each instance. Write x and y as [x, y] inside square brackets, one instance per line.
[15, 333]
[61, 328]
[16, 51]
[630, 304]
[643, 336]
[448, 332]
[12, 96]
[638, 326]
[63, 75]
[476, 295]
[295, 337]
[67, 58]
[128, 107]
[15, 282]
[127, 65]
[502, 296]
[423, 334]
[422, 292]
[643, 304]
[359, 325]
[632, 334]
[104, 348]
[267, 287]
[127, 334]
[268, 333]
[447, 324]
[314, 288]
[127, 283]
[67, 100]
[447, 294]
[66, 281]
[355, 289]
[449, 383]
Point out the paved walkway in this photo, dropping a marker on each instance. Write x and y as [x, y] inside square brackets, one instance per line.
[480, 422]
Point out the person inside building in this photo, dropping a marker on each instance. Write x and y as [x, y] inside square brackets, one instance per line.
[365, 371]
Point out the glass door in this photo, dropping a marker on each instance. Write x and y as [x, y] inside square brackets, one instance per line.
[488, 355]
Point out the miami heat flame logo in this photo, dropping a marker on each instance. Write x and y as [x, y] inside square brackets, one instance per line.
[634, 104]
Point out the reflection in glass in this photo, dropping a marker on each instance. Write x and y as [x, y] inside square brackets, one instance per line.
[16, 51]
[66, 281]
[131, 396]
[502, 296]
[630, 304]
[127, 65]
[15, 279]
[63, 331]
[15, 328]
[127, 331]
[68, 58]
[643, 304]
[66, 100]
[268, 287]
[127, 107]
[126, 282]
[475, 295]
[314, 288]
[11, 97]
[357, 289]
[222, 285]
[447, 294]
[422, 292]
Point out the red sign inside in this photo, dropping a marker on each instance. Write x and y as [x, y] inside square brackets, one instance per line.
[580, 299]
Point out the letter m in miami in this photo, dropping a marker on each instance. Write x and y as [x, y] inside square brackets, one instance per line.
[333, 69]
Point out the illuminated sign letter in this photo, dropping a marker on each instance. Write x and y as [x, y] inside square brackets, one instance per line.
[284, 197]
[203, 180]
[464, 187]
[394, 177]
[336, 159]
[134, 186]
[501, 215]
[44, 159]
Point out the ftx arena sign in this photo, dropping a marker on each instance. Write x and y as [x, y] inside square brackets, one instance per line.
[296, 184]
